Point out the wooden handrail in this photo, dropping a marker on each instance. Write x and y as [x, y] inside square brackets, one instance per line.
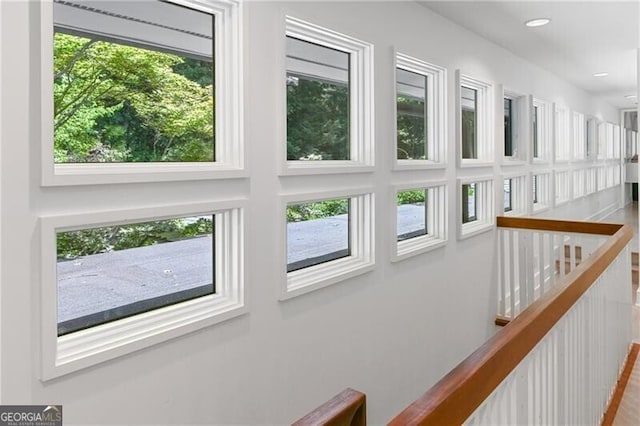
[456, 396]
[348, 408]
[598, 228]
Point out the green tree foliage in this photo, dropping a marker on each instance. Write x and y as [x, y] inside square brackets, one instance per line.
[411, 197]
[114, 102]
[317, 120]
[411, 128]
[85, 242]
[317, 210]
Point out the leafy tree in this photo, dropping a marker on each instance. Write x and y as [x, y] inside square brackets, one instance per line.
[317, 120]
[114, 102]
[85, 242]
[411, 128]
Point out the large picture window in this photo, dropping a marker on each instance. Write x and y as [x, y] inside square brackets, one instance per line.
[117, 281]
[135, 92]
[108, 273]
[128, 89]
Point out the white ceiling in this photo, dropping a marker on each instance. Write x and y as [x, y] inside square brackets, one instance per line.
[584, 37]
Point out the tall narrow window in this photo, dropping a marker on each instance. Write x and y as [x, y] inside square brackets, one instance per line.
[412, 214]
[411, 107]
[318, 103]
[469, 106]
[132, 85]
[536, 142]
[317, 232]
[469, 203]
[508, 127]
[508, 205]
[535, 188]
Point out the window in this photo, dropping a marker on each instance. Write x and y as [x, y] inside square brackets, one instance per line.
[329, 238]
[515, 199]
[133, 268]
[541, 191]
[118, 281]
[135, 88]
[476, 212]
[317, 102]
[536, 142]
[469, 203]
[590, 175]
[420, 113]
[508, 127]
[562, 147]
[469, 105]
[590, 138]
[579, 137]
[412, 214]
[541, 130]
[562, 186]
[317, 232]
[579, 182]
[508, 202]
[329, 106]
[475, 108]
[420, 218]
[601, 175]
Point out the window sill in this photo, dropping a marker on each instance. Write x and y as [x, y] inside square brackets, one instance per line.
[468, 163]
[319, 276]
[297, 168]
[415, 246]
[511, 161]
[539, 208]
[110, 173]
[468, 230]
[400, 165]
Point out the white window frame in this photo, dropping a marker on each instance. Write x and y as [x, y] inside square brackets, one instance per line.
[518, 128]
[578, 137]
[543, 189]
[590, 178]
[75, 351]
[436, 104]
[362, 243]
[562, 134]
[617, 142]
[436, 208]
[519, 200]
[485, 210]
[485, 123]
[562, 187]
[601, 173]
[591, 137]
[229, 140]
[544, 131]
[361, 96]
[579, 183]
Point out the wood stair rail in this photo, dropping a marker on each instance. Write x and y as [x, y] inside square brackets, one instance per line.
[348, 408]
[457, 395]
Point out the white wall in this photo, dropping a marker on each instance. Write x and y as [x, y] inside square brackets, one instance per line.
[390, 333]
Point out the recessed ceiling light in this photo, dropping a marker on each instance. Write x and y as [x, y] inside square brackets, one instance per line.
[600, 74]
[631, 96]
[538, 22]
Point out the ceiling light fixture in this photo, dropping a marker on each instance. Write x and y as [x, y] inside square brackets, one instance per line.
[631, 96]
[600, 74]
[538, 22]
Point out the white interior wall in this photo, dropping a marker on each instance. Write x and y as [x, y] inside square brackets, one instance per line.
[390, 333]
